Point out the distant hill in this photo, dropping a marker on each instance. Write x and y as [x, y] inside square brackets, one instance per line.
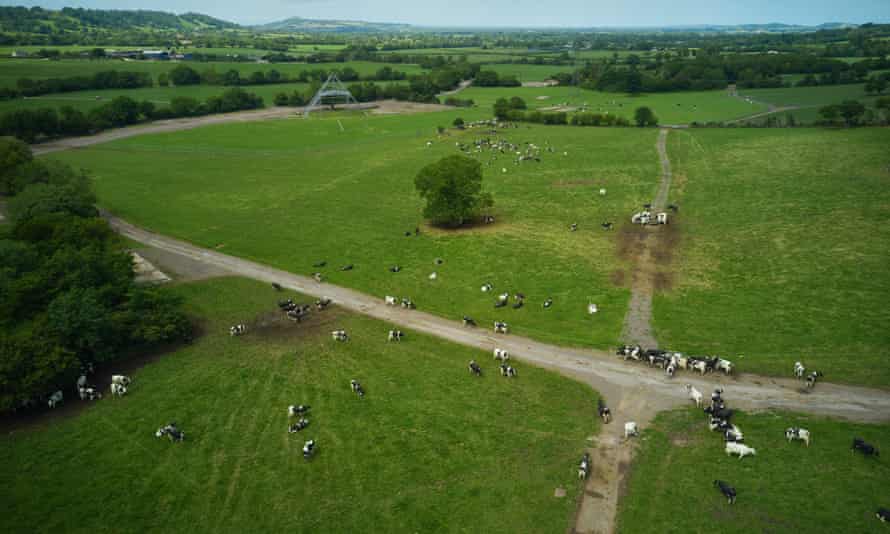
[41, 21]
[298, 24]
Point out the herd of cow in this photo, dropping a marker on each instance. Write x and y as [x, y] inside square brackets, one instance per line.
[671, 362]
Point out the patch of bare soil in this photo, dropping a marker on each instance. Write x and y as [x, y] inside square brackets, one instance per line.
[275, 324]
[389, 107]
[618, 278]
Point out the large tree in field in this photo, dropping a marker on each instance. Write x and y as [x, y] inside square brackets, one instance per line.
[644, 116]
[452, 188]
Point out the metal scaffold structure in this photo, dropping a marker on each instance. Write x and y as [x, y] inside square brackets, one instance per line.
[332, 92]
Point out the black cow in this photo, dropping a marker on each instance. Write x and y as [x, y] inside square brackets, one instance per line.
[727, 490]
[395, 268]
[865, 448]
[276, 286]
[883, 515]
[607, 225]
[603, 410]
[347, 267]
[320, 264]
[468, 321]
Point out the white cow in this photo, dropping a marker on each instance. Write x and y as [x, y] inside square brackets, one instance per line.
[395, 335]
[433, 275]
[81, 381]
[118, 390]
[55, 398]
[630, 429]
[724, 365]
[591, 309]
[486, 288]
[339, 335]
[700, 366]
[390, 301]
[662, 218]
[694, 394]
[501, 354]
[799, 370]
[602, 192]
[737, 448]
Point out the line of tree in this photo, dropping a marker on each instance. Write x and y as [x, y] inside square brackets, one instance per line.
[111, 79]
[186, 75]
[490, 78]
[69, 297]
[48, 123]
[854, 113]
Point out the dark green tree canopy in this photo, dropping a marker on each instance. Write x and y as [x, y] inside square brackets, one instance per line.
[452, 188]
[644, 116]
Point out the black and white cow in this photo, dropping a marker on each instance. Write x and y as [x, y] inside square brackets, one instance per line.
[604, 411]
[607, 225]
[320, 264]
[408, 303]
[468, 321]
[507, 371]
[286, 304]
[865, 448]
[118, 390]
[237, 330]
[347, 267]
[573, 227]
[357, 388]
[298, 426]
[309, 449]
[548, 302]
[584, 467]
[798, 433]
[297, 409]
[318, 277]
[727, 490]
[91, 393]
[474, 368]
[55, 399]
[883, 515]
[501, 354]
[395, 268]
[322, 303]
[172, 432]
[500, 327]
[799, 370]
[811, 379]
[339, 335]
[395, 335]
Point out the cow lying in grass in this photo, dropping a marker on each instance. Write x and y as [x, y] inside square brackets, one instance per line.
[298, 426]
[357, 388]
[866, 449]
[294, 410]
[172, 432]
[740, 449]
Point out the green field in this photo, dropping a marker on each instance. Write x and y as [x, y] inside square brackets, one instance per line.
[527, 73]
[11, 70]
[786, 487]
[810, 99]
[783, 250]
[429, 448]
[86, 100]
[291, 193]
[671, 108]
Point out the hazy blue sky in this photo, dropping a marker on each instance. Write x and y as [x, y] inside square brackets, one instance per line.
[516, 12]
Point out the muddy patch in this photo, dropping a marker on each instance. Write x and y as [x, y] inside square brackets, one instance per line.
[275, 324]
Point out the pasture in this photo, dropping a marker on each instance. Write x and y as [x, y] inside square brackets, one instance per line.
[11, 70]
[527, 73]
[292, 193]
[783, 254]
[786, 487]
[671, 108]
[429, 447]
[810, 99]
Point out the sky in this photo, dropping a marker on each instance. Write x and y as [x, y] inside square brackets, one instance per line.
[528, 13]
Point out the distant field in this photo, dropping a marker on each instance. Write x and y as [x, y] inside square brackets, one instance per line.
[783, 251]
[86, 100]
[13, 69]
[348, 197]
[671, 108]
[528, 73]
[810, 99]
[429, 448]
[786, 487]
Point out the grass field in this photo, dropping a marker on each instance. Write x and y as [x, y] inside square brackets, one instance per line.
[527, 73]
[85, 100]
[291, 193]
[671, 108]
[429, 448]
[13, 69]
[786, 487]
[783, 251]
[810, 99]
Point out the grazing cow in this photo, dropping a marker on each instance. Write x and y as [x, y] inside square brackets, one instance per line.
[604, 411]
[347, 267]
[548, 302]
[694, 394]
[607, 225]
[584, 467]
[500, 327]
[438, 261]
[673, 207]
[811, 379]
[91, 393]
[339, 335]
[630, 429]
[118, 390]
[309, 449]
[865, 448]
[573, 227]
[395, 268]
[591, 309]
[390, 301]
[120, 379]
[602, 192]
[172, 432]
[322, 303]
[724, 365]
[408, 304]
[503, 297]
[55, 399]
[727, 490]
[297, 409]
[277, 286]
[517, 305]
[286, 305]
[508, 371]
[500, 304]
[501, 354]
[699, 365]
[317, 277]
[357, 388]
[737, 448]
[474, 368]
[486, 288]
[799, 370]
[298, 426]
[320, 264]
[433, 276]
[238, 329]
[468, 321]
[798, 433]
[883, 515]
[395, 335]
